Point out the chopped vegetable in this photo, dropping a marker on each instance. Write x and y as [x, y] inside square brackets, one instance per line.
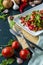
[34, 21]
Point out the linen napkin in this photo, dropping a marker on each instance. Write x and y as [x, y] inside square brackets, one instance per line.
[37, 57]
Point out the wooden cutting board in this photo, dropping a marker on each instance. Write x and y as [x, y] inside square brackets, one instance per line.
[27, 35]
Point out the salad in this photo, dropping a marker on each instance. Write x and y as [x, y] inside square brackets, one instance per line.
[33, 21]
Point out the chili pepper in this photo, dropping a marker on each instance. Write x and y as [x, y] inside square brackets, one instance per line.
[22, 6]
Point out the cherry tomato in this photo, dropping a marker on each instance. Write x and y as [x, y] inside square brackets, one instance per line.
[24, 54]
[24, 1]
[15, 45]
[7, 52]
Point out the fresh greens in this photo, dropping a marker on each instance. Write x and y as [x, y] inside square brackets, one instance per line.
[7, 61]
[10, 42]
[12, 23]
[1, 6]
[0, 54]
[27, 18]
[3, 16]
[33, 21]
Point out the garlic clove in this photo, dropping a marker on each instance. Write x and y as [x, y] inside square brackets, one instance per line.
[33, 5]
[5, 11]
[19, 61]
[15, 6]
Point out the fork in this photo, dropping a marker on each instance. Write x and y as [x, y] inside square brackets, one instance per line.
[36, 46]
[20, 33]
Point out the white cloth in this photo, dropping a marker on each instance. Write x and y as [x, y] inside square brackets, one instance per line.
[37, 57]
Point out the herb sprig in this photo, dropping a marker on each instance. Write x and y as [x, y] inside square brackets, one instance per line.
[9, 60]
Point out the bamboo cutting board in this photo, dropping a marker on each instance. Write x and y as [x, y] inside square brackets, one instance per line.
[27, 35]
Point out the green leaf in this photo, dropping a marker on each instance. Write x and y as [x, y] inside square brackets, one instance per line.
[0, 54]
[3, 16]
[1, 64]
[37, 18]
[10, 61]
[27, 18]
[12, 23]
[7, 61]
[1, 6]
[4, 62]
[10, 42]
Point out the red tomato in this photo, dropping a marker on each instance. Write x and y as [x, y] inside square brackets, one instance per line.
[22, 19]
[32, 17]
[41, 17]
[41, 11]
[31, 27]
[24, 1]
[7, 52]
[24, 54]
[28, 24]
[15, 45]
